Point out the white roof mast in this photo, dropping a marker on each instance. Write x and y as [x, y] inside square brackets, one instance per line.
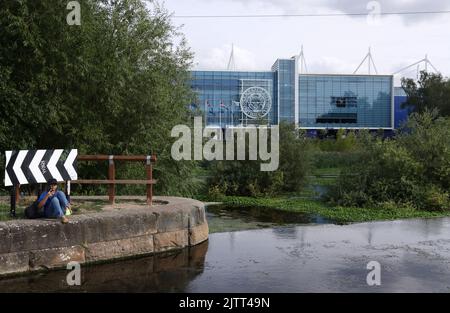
[303, 66]
[370, 62]
[231, 65]
[425, 61]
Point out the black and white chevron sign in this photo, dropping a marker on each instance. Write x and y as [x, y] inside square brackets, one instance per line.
[38, 166]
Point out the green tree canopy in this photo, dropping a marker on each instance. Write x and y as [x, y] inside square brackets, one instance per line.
[431, 92]
[245, 178]
[116, 84]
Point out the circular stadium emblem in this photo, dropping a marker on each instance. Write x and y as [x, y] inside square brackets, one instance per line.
[255, 102]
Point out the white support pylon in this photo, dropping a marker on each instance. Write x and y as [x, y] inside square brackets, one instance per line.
[370, 62]
[231, 64]
[303, 66]
[425, 61]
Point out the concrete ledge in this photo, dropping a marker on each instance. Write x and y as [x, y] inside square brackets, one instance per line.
[198, 234]
[172, 270]
[123, 230]
[16, 262]
[55, 257]
[171, 240]
[107, 250]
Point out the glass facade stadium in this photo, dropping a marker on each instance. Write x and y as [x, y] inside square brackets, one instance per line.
[231, 98]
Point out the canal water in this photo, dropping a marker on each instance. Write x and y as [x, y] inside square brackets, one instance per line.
[414, 256]
[223, 218]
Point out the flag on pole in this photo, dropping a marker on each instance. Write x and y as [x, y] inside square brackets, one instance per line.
[210, 106]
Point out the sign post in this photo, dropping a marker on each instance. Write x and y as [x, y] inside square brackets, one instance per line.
[37, 166]
[13, 199]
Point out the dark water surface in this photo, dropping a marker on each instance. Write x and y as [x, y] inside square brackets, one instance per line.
[222, 218]
[414, 256]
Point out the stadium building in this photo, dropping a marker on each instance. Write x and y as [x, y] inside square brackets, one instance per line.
[310, 101]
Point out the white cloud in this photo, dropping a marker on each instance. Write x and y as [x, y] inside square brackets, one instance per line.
[218, 58]
[356, 6]
[332, 45]
[331, 65]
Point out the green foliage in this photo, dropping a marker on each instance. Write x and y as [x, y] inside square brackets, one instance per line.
[295, 158]
[346, 141]
[340, 152]
[432, 92]
[246, 178]
[411, 170]
[114, 85]
[331, 159]
[428, 140]
[337, 214]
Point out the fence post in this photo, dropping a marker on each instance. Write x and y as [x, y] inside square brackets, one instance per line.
[149, 170]
[67, 190]
[112, 176]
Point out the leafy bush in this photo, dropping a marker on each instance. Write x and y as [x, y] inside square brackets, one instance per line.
[332, 159]
[246, 179]
[410, 170]
[345, 141]
[340, 152]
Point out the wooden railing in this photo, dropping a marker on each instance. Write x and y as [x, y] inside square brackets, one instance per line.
[112, 181]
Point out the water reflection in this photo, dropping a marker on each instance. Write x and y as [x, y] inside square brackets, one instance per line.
[413, 254]
[222, 218]
[285, 232]
[167, 272]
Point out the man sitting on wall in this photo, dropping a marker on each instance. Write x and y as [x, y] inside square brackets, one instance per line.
[54, 202]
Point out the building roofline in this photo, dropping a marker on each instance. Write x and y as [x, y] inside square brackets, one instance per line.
[229, 71]
[309, 74]
[344, 127]
[356, 75]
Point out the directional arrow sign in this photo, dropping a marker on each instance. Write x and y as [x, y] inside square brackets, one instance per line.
[34, 165]
[38, 166]
[8, 181]
[70, 163]
[16, 167]
[51, 165]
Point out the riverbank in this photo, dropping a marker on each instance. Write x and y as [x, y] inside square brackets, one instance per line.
[413, 255]
[118, 231]
[335, 213]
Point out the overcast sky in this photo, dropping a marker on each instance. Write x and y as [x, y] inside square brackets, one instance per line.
[331, 44]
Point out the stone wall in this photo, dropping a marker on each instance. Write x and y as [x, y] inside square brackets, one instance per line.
[32, 245]
[160, 272]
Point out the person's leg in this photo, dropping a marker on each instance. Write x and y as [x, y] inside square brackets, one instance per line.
[62, 200]
[54, 210]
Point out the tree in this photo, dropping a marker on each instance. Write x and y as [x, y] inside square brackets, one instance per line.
[431, 92]
[116, 84]
[411, 170]
[245, 177]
